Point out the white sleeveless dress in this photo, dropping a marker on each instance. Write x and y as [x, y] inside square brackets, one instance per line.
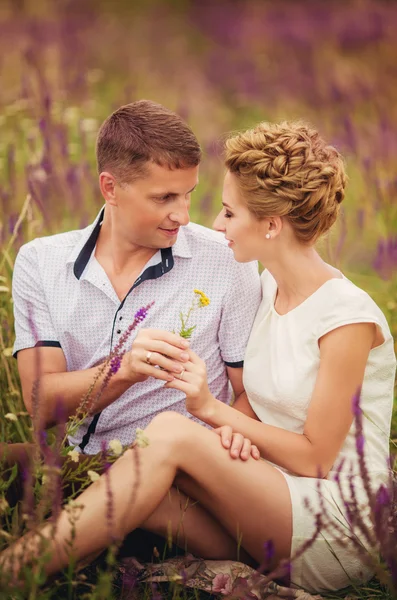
[280, 369]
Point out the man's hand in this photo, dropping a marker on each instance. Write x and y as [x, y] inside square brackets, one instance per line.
[151, 349]
[237, 444]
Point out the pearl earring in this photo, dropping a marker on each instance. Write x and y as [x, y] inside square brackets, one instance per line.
[268, 236]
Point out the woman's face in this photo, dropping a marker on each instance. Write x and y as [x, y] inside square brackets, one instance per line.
[245, 234]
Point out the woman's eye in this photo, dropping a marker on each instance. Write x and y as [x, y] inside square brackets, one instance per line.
[228, 215]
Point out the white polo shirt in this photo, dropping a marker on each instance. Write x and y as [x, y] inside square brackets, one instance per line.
[63, 298]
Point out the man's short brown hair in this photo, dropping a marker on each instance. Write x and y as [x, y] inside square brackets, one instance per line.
[144, 131]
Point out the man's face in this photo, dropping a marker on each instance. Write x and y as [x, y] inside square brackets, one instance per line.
[150, 210]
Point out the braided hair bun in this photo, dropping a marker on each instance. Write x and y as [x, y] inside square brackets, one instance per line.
[288, 170]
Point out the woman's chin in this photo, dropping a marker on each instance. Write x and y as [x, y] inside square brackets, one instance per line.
[240, 257]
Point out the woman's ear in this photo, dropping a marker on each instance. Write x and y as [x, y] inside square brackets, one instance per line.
[271, 227]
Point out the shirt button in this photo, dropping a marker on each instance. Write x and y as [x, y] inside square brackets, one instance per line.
[120, 318]
[119, 331]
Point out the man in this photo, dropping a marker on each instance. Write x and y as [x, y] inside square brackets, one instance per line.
[75, 294]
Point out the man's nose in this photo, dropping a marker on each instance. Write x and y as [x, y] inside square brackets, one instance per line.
[180, 214]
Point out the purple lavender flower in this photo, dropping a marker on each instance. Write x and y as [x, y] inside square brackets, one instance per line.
[269, 551]
[118, 353]
[385, 261]
[155, 593]
[356, 404]
[115, 364]
[360, 442]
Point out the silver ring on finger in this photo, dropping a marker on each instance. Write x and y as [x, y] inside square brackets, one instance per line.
[148, 355]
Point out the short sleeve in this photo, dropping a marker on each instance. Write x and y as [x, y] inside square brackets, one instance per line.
[241, 304]
[348, 306]
[33, 325]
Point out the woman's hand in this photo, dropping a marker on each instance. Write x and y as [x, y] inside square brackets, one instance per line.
[237, 444]
[151, 349]
[193, 382]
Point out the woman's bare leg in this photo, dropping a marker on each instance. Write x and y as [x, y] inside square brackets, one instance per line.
[249, 499]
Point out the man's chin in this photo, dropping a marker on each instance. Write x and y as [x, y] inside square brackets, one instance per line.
[169, 237]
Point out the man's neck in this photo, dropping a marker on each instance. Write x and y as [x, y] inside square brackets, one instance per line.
[122, 262]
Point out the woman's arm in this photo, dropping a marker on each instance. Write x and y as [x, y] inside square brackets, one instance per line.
[343, 358]
[242, 405]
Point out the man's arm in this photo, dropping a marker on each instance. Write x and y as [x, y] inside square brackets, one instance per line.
[60, 392]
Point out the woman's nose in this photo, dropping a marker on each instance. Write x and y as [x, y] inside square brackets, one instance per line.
[218, 224]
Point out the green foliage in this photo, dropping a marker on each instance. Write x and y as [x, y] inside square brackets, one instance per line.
[222, 71]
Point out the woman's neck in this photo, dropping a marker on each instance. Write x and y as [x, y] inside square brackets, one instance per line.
[299, 272]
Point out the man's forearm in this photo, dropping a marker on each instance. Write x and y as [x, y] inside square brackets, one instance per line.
[61, 395]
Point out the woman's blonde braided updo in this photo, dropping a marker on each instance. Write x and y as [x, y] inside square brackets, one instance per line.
[288, 170]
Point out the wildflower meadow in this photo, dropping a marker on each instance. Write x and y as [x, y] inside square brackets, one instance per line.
[223, 66]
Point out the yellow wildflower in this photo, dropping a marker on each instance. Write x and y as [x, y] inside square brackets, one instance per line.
[203, 298]
[116, 447]
[199, 301]
[74, 455]
[93, 475]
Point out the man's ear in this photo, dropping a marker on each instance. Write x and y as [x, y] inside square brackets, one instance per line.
[107, 184]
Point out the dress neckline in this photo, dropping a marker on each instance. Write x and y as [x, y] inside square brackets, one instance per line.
[306, 300]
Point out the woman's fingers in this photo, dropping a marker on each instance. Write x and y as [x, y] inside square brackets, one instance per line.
[226, 433]
[255, 452]
[241, 447]
[237, 446]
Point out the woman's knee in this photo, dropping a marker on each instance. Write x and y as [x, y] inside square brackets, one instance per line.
[168, 422]
[170, 429]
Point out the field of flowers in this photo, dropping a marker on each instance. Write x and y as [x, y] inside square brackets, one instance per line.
[65, 65]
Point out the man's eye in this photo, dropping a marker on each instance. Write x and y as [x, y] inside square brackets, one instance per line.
[164, 198]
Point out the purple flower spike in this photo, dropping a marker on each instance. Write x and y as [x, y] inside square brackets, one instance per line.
[356, 403]
[360, 444]
[155, 593]
[115, 364]
[382, 497]
[269, 550]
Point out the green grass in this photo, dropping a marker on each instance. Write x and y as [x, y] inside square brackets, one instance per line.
[81, 63]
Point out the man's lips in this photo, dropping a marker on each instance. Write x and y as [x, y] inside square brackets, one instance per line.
[170, 231]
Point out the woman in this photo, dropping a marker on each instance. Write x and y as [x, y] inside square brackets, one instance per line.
[316, 340]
